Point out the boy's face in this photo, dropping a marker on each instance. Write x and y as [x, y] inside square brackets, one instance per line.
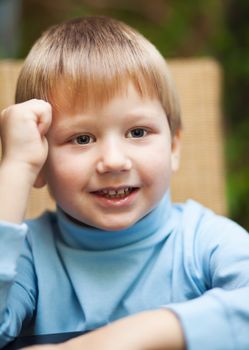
[108, 167]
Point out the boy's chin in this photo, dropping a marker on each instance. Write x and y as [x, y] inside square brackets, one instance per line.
[112, 226]
[106, 225]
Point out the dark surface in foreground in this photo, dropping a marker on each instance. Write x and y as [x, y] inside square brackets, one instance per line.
[23, 342]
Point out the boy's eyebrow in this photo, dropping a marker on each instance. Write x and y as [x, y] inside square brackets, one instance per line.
[143, 114]
[74, 122]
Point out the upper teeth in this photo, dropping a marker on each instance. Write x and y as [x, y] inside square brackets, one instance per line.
[119, 191]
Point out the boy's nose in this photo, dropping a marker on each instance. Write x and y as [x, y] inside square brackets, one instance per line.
[113, 159]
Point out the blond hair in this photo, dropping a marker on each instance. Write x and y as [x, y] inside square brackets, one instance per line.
[95, 58]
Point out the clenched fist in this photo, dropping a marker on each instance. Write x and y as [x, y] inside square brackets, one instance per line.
[22, 130]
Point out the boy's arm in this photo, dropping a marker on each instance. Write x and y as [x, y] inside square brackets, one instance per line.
[149, 330]
[24, 151]
[15, 184]
[18, 290]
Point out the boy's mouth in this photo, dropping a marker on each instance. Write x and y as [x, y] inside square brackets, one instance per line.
[118, 193]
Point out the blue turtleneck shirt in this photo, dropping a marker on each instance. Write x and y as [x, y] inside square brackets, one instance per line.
[59, 276]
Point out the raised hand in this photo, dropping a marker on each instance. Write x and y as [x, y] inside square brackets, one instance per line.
[23, 129]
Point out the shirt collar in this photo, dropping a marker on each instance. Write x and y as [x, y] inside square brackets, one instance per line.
[90, 238]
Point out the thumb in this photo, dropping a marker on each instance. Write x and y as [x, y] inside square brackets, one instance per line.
[44, 120]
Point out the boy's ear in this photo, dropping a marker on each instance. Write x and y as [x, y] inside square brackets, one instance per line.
[175, 151]
[40, 180]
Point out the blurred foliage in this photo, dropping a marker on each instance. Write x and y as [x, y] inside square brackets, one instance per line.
[234, 55]
[180, 29]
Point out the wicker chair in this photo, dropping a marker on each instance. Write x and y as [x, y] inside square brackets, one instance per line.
[201, 175]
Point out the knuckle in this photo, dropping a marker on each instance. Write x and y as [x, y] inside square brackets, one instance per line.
[4, 112]
[46, 106]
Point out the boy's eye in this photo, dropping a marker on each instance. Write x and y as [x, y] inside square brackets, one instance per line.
[83, 139]
[137, 133]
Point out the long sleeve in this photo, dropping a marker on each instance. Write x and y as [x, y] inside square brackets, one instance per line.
[17, 287]
[216, 253]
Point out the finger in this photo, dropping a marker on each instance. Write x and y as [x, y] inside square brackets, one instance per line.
[43, 113]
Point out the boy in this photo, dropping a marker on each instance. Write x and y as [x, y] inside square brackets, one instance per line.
[97, 119]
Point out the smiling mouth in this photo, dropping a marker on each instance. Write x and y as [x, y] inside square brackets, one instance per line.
[115, 193]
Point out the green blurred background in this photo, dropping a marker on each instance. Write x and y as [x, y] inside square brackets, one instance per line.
[194, 28]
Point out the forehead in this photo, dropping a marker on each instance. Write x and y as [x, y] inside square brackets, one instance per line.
[127, 97]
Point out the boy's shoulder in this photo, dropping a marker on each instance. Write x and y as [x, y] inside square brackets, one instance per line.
[198, 219]
[45, 218]
[42, 227]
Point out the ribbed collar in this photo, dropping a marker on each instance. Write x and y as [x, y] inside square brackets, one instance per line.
[90, 238]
